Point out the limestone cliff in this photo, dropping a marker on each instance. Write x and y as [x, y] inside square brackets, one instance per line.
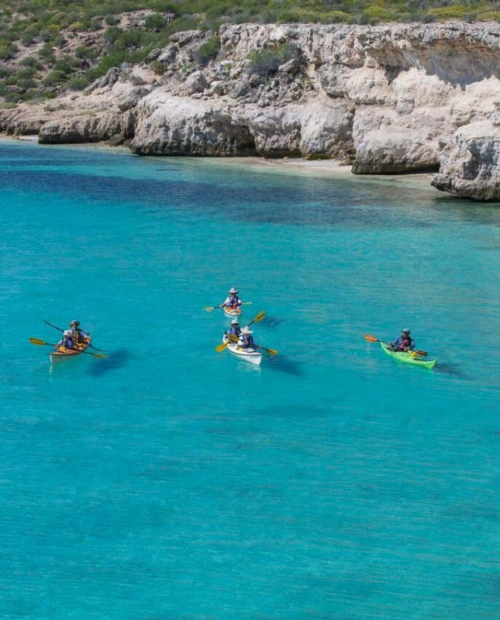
[389, 99]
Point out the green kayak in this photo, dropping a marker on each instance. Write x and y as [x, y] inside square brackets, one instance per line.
[408, 358]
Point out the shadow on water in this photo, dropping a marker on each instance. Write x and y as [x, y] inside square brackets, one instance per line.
[452, 370]
[272, 322]
[285, 365]
[116, 360]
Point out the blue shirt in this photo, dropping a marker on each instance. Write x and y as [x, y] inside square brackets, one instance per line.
[67, 343]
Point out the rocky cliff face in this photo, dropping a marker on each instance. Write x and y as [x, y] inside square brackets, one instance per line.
[388, 99]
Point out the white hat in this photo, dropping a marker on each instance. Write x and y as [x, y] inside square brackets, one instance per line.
[68, 332]
[234, 322]
[233, 291]
[246, 330]
[405, 331]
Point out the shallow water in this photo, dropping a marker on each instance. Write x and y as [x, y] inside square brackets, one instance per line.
[169, 481]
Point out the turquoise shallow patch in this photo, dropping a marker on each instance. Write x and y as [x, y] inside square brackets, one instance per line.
[170, 481]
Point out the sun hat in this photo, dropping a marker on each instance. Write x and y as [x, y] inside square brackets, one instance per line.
[234, 322]
[246, 330]
[67, 332]
[75, 323]
[405, 331]
[233, 291]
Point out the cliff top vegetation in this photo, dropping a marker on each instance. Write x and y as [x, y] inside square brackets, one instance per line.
[47, 46]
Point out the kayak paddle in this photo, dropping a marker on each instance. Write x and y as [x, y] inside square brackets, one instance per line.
[258, 318]
[62, 330]
[270, 351]
[42, 343]
[369, 338]
[211, 308]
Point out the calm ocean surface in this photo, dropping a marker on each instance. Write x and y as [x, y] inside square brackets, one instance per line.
[171, 482]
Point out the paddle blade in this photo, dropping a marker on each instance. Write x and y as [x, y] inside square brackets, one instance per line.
[232, 338]
[421, 353]
[97, 354]
[246, 303]
[221, 347]
[209, 308]
[272, 351]
[369, 338]
[259, 317]
[37, 341]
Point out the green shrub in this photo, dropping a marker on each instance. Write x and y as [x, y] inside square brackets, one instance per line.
[63, 65]
[27, 72]
[7, 51]
[85, 52]
[207, 51]
[158, 67]
[266, 62]
[27, 38]
[155, 21]
[106, 63]
[54, 78]
[449, 12]
[77, 83]
[31, 61]
[112, 34]
[111, 20]
[26, 83]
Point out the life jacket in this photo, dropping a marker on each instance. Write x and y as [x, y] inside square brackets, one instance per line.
[233, 302]
[78, 336]
[246, 341]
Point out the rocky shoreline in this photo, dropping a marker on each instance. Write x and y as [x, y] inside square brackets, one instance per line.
[390, 99]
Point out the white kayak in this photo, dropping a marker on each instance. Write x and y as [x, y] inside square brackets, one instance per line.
[249, 355]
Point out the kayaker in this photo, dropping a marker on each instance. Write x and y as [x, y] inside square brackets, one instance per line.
[67, 340]
[404, 342]
[245, 340]
[233, 301]
[80, 337]
[235, 328]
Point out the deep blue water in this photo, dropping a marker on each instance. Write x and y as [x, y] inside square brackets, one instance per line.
[171, 482]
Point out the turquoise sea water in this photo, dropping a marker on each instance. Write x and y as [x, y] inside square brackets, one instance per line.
[171, 482]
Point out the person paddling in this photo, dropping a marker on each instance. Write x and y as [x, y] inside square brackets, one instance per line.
[245, 340]
[67, 341]
[80, 337]
[404, 342]
[235, 328]
[233, 301]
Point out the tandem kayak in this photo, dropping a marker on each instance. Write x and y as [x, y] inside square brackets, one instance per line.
[232, 311]
[249, 355]
[62, 354]
[408, 358]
